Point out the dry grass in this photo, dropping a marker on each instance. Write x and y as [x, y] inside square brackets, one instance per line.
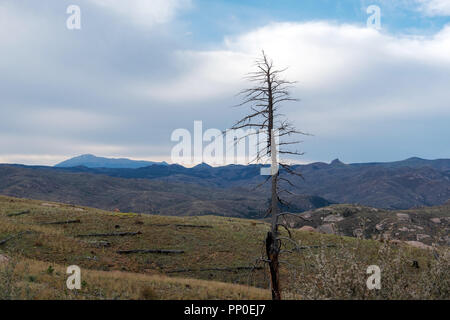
[406, 273]
[327, 273]
[230, 242]
[29, 279]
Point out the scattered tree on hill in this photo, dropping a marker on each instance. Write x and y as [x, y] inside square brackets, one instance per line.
[265, 99]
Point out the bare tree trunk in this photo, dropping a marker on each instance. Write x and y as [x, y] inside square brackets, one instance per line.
[272, 248]
[272, 253]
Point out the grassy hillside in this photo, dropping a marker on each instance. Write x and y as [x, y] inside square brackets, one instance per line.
[33, 279]
[216, 251]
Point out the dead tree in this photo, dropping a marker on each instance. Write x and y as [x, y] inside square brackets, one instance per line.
[62, 222]
[265, 99]
[160, 251]
[20, 213]
[118, 234]
[2, 242]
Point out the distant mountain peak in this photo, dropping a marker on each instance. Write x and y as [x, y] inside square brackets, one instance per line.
[337, 162]
[92, 161]
[203, 165]
[414, 159]
[85, 156]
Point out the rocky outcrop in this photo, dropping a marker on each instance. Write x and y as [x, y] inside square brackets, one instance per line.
[3, 259]
[421, 237]
[425, 224]
[403, 216]
[418, 244]
[333, 218]
[329, 228]
[435, 220]
[308, 228]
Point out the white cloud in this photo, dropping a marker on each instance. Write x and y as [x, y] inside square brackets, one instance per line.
[347, 75]
[145, 12]
[66, 93]
[23, 23]
[435, 7]
[40, 149]
[32, 159]
[206, 75]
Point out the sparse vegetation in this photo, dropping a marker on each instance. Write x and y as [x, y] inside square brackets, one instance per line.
[406, 273]
[28, 279]
[210, 254]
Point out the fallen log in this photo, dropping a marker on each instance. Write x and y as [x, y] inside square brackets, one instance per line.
[14, 214]
[117, 234]
[216, 269]
[159, 251]
[2, 242]
[180, 225]
[100, 244]
[314, 247]
[62, 222]
[192, 226]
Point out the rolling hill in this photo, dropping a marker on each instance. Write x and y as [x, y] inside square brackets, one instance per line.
[154, 196]
[426, 225]
[230, 190]
[134, 256]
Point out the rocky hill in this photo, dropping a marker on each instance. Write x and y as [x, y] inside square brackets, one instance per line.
[420, 226]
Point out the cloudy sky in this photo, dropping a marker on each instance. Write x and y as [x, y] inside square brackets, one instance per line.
[139, 69]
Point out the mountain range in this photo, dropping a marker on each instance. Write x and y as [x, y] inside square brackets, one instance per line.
[91, 161]
[231, 190]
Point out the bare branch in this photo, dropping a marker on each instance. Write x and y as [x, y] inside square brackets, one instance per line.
[265, 99]
[286, 228]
